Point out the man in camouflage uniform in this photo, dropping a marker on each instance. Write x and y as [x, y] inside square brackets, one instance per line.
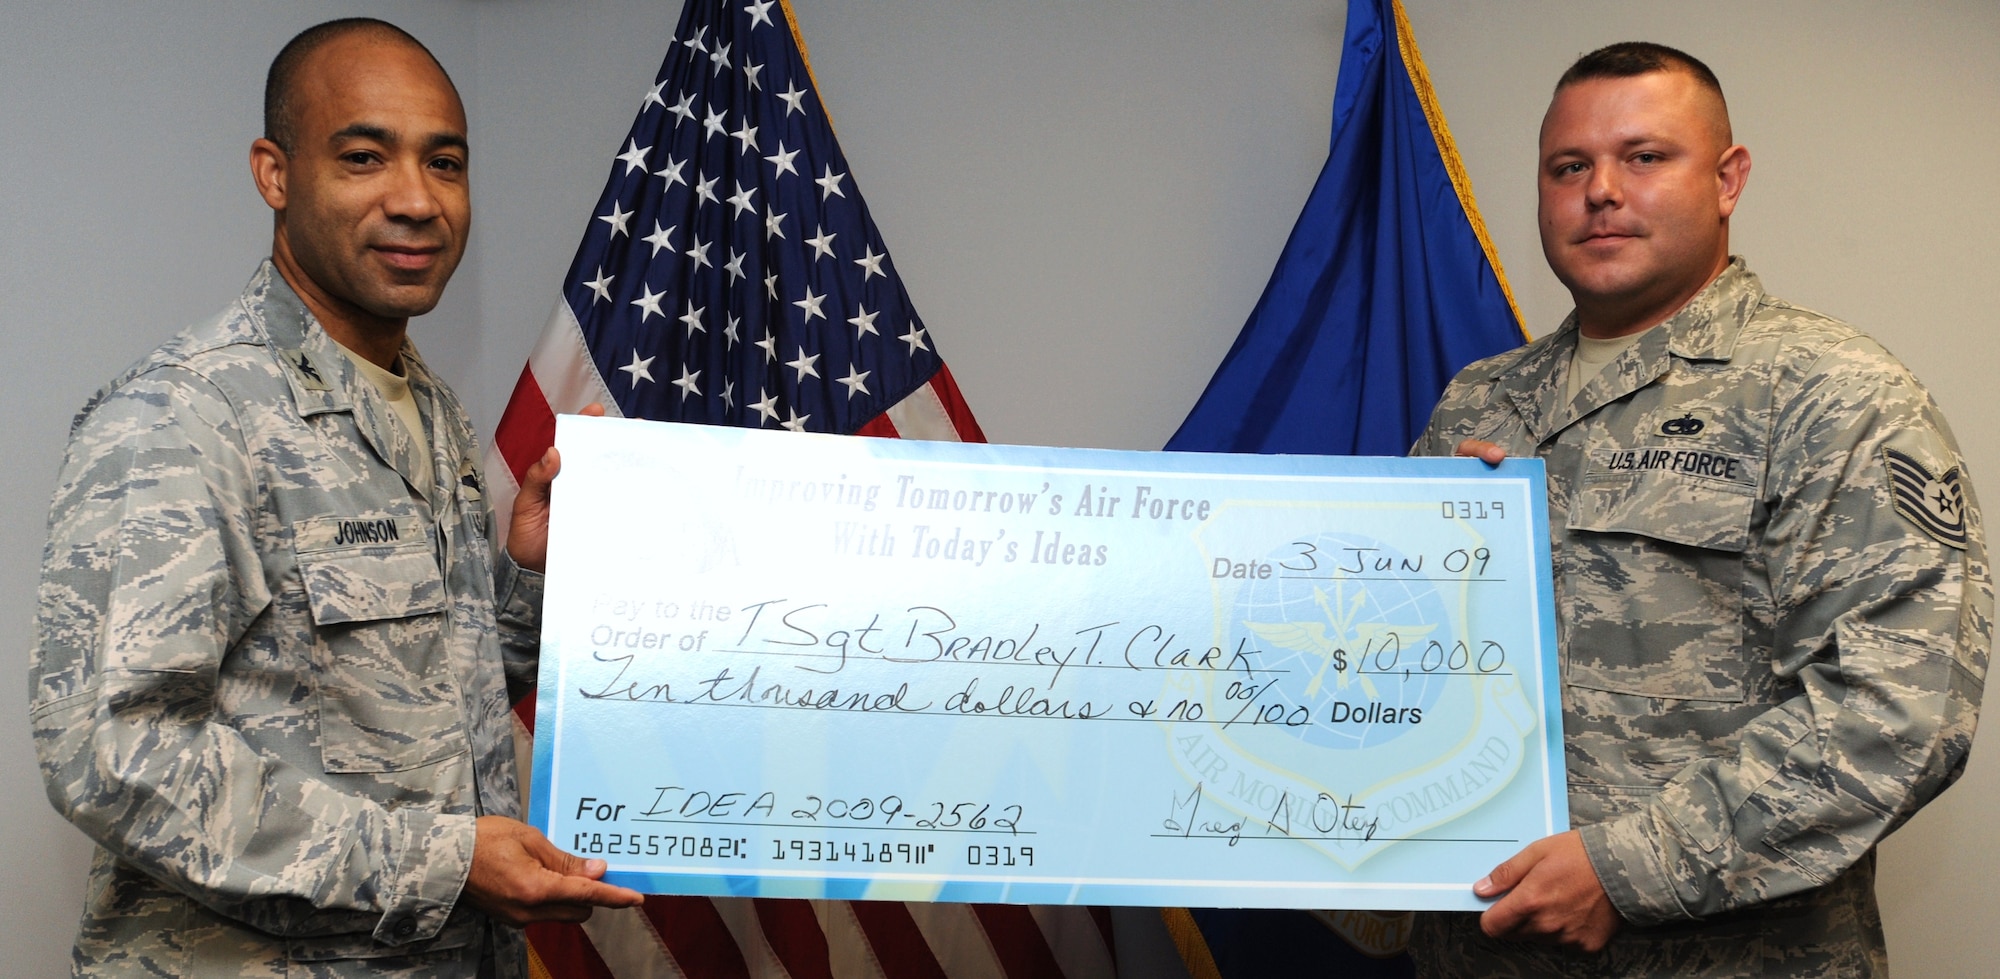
[274, 645]
[1769, 568]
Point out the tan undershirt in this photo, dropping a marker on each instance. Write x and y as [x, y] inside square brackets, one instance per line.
[395, 389]
[1591, 357]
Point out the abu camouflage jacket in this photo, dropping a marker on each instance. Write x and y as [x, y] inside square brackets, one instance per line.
[269, 677]
[1776, 613]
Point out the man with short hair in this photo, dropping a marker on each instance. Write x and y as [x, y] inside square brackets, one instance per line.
[1770, 572]
[274, 645]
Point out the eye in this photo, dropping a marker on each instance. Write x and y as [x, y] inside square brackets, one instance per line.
[1648, 156]
[447, 164]
[1569, 169]
[359, 158]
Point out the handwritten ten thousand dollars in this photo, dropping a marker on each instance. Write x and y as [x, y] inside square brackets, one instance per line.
[808, 666]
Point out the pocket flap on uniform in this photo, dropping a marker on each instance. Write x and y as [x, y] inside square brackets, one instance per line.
[367, 568]
[435, 953]
[1682, 496]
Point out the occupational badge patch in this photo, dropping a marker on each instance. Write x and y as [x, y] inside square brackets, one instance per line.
[1687, 425]
[1936, 504]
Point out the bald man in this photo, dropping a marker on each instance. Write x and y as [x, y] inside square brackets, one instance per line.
[274, 646]
[1770, 572]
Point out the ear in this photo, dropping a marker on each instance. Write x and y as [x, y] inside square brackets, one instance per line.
[1732, 172]
[267, 168]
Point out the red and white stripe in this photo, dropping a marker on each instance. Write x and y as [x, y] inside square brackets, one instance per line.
[744, 938]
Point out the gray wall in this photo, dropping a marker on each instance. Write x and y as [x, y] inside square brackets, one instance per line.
[1084, 198]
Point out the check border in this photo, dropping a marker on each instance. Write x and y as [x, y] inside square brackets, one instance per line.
[598, 456]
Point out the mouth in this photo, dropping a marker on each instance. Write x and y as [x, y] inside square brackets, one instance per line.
[1606, 237]
[408, 257]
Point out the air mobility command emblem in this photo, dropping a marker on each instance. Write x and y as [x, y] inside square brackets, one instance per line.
[1936, 504]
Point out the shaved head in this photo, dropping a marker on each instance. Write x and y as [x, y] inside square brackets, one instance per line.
[1630, 59]
[281, 84]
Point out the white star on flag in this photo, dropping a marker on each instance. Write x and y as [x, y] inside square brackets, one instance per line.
[811, 304]
[767, 406]
[649, 302]
[794, 99]
[637, 368]
[686, 382]
[822, 243]
[672, 172]
[856, 381]
[782, 160]
[660, 238]
[601, 285]
[804, 364]
[617, 220]
[871, 264]
[634, 157]
[829, 183]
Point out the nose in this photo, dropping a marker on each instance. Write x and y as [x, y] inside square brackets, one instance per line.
[1604, 188]
[411, 196]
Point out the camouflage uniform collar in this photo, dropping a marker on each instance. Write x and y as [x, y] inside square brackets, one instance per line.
[322, 380]
[318, 372]
[282, 313]
[292, 329]
[1705, 329]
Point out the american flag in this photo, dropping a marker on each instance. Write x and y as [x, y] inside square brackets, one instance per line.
[730, 275]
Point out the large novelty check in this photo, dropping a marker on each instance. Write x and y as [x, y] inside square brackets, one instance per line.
[788, 665]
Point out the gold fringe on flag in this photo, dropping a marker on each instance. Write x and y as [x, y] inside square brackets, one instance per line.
[1188, 941]
[1420, 78]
